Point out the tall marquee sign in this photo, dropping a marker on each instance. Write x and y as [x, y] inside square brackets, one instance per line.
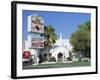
[36, 27]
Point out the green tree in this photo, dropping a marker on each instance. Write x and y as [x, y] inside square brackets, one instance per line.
[50, 38]
[81, 39]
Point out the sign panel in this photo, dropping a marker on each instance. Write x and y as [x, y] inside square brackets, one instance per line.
[35, 24]
[37, 42]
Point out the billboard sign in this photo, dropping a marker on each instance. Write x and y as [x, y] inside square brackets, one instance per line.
[35, 24]
[37, 42]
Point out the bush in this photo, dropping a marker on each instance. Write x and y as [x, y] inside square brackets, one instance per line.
[69, 59]
[86, 59]
[40, 58]
[45, 58]
[52, 59]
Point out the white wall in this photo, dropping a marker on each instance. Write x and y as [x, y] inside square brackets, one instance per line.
[5, 41]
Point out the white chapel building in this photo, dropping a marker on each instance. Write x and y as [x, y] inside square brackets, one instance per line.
[60, 50]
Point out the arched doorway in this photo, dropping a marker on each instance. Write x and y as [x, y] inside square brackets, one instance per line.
[60, 57]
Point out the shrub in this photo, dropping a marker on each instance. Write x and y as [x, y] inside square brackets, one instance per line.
[69, 59]
[52, 59]
[45, 58]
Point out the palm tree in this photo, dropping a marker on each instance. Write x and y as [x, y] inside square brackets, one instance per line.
[50, 38]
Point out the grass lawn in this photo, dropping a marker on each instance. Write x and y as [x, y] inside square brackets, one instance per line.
[57, 65]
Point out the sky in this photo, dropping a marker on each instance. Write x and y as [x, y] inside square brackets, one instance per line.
[64, 22]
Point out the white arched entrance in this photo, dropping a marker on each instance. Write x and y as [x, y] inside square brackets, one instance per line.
[60, 53]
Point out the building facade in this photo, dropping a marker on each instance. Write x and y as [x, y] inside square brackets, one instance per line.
[60, 51]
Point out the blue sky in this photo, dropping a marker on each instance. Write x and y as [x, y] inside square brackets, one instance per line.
[65, 22]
